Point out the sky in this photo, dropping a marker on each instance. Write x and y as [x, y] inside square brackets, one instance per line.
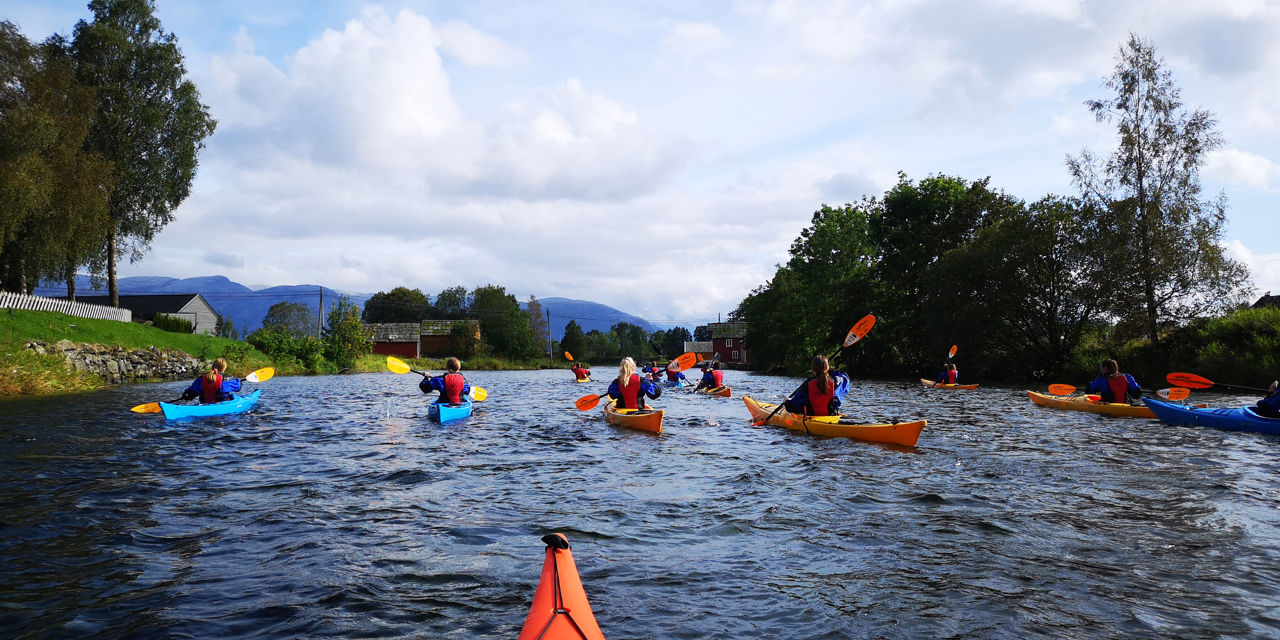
[657, 156]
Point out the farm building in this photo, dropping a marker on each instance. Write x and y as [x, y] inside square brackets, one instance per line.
[188, 306]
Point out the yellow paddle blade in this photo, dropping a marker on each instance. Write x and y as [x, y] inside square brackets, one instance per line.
[261, 375]
[859, 330]
[1174, 393]
[150, 407]
[397, 366]
[1061, 389]
[587, 403]
[568, 356]
[479, 394]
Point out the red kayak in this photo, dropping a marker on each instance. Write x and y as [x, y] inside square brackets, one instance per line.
[560, 610]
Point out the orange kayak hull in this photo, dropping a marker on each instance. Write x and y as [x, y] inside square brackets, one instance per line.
[645, 420]
[930, 383]
[906, 434]
[1082, 403]
[723, 392]
[560, 609]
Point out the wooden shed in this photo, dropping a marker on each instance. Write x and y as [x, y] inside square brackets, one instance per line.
[396, 339]
[188, 306]
[436, 338]
[729, 339]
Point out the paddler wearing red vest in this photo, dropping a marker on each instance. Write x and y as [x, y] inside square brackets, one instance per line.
[630, 389]
[949, 375]
[821, 395]
[452, 385]
[712, 376]
[580, 372]
[1114, 386]
[213, 387]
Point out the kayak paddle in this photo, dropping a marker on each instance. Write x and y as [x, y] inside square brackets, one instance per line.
[568, 356]
[587, 403]
[952, 353]
[261, 375]
[396, 365]
[1172, 393]
[1194, 381]
[684, 361]
[859, 330]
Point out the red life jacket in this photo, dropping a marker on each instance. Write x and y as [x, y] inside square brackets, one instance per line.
[453, 383]
[819, 402]
[1119, 387]
[629, 393]
[718, 376]
[579, 371]
[673, 375]
[209, 390]
[952, 375]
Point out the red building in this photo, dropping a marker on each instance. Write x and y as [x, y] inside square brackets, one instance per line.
[398, 339]
[729, 339]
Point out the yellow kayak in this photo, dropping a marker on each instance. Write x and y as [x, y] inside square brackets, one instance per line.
[1084, 403]
[903, 433]
[935, 385]
[648, 419]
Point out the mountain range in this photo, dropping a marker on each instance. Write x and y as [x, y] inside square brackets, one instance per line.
[246, 307]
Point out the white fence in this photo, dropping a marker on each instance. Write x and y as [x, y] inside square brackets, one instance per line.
[78, 309]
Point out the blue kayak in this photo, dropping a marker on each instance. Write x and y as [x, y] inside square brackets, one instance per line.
[443, 412]
[1242, 419]
[238, 404]
[675, 383]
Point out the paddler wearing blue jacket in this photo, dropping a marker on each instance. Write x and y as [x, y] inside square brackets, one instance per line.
[1114, 386]
[212, 387]
[630, 389]
[712, 376]
[451, 385]
[949, 375]
[821, 394]
[1269, 406]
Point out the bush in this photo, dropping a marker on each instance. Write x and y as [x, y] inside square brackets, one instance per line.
[173, 324]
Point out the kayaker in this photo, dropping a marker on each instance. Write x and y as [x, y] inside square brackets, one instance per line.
[821, 394]
[712, 376]
[452, 385]
[655, 374]
[1269, 406]
[581, 372]
[1114, 386]
[676, 377]
[630, 389]
[949, 375]
[213, 387]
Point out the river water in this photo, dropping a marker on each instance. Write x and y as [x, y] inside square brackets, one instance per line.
[335, 509]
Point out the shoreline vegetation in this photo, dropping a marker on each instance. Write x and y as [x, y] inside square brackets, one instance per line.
[23, 372]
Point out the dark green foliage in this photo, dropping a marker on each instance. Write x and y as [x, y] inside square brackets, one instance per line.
[503, 324]
[673, 340]
[297, 320]
[538, 324]
[401, 304]
[172, 324]
[345, 338]
[463, 340]
[453, 303]
[574, 341]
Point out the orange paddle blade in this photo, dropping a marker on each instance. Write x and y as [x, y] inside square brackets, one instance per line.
[1061, 389]
[859, 330]
[587, 403]
[568, 356]
[150, 407]
[560, 608]
[1189, 380]
[685, 361]
[1174, 393]
[952, 352]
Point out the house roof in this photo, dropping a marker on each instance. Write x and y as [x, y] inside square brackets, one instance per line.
[444, 327]
[727, 329]
[1267, 300]
[395, 331]
[147, 306]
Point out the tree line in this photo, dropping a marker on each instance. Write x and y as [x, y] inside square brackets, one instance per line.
[1026, 289]
[99, 137]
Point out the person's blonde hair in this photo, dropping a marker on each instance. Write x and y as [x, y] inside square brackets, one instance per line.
[625, 370]
[219, 366]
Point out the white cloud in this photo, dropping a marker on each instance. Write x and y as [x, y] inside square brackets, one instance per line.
[1264, 268]
[1234, 166]
[477, 48]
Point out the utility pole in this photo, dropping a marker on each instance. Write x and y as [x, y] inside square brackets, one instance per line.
[320, 314]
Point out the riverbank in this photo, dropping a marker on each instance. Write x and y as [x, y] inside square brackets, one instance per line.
[48, 353]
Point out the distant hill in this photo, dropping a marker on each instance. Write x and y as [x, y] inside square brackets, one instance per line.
[244, 306]
[589, 315]
[247, 307]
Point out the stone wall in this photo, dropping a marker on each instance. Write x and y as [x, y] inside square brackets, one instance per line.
[118, 365]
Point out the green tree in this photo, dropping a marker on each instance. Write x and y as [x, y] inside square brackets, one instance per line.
[1173, 267]
[345, 337]
[150, 122]
[53, 192]
[293, 318]
[633, 341]
[602, 346]
[503, 324]
[673, 341]
[453, 303]
[224, 327]
[463, 340]
[574, 341]
[401, 304]
[538, 323]
[702, 333]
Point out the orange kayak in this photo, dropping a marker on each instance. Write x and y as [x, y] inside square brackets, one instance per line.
[931, 383]
[1084, 403]
[723, 392]
[560, 610]
[643, 419]
[903, 433]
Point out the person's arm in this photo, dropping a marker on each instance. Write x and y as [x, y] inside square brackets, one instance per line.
[193, 391]
[613, 390]
[652, 390]
[430, 384]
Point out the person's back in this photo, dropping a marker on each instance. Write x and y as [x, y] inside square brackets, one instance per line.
[1114, 386]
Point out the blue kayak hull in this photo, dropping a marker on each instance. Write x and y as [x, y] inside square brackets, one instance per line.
[443, 412]
[1242, 419]
[239, 404]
